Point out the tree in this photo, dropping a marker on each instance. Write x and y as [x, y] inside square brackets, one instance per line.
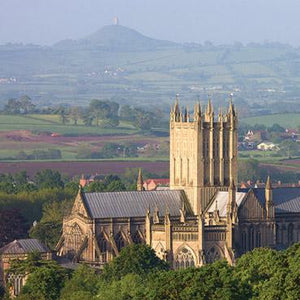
[63, 115]
[48, 230]
[212, 281]
[26, 106]
[144, 120]
[289, 148]
[105, 112]
[137, 259]
[74, 114]
[127, 113]
[12, 107]
[264, 271]
[45, 282]
[248, 170]
[12, 226]
[48, 179]
[82, 285]
[276, 128]
[87, 117]
[21, 105]
[131, 286]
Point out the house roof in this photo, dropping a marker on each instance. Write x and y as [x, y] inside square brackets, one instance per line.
[24, 246]
[163, 181]
[221, 199]
[134, 203]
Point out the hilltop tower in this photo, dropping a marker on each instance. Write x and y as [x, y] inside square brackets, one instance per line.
[203, 152]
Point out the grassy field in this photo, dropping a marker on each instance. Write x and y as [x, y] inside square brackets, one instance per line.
[51, 123]
[35, 132]
[151, 76]
[285, 120]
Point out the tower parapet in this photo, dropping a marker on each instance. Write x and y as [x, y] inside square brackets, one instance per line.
[203, 151]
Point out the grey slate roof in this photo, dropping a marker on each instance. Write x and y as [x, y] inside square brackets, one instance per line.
[23, 246]
[286, 199]
[134, 203]
[222, 199]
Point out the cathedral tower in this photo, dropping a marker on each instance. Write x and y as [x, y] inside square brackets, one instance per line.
[203, 152]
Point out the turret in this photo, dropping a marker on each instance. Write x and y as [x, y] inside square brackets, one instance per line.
[269, 199]
[140, 183]
[231, 203]
[148, 227]
[209, 112]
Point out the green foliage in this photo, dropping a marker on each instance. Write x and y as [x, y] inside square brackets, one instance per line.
[48, 230]
[48, 179]
[110, 183]
[138, 274]
[248, 170]
[104, 112]
[82, 285]
[214, 281]
[22, 105]
[12, 226]
[131, 286]
[40, 155]
[134, 259]
[289, 148]
[45, 282]
[264, 270]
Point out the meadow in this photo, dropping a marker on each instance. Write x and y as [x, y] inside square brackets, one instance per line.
[43, 132]
[286, 120]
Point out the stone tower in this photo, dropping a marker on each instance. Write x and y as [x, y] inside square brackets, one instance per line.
[203, 152]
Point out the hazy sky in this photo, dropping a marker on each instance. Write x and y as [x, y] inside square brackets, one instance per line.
[220, 21]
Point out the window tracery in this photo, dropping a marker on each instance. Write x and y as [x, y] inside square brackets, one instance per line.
[212, 255]
[120, 242]
[184, 259]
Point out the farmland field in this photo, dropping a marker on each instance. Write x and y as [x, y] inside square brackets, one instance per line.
[45, 132]
[72, 169]
[290, 120]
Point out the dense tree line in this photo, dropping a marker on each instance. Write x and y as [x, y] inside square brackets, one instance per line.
[36, 207]
[138, 274]
[101, 113]
[251, 169]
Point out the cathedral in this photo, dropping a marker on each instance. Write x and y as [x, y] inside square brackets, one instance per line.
[201, 218]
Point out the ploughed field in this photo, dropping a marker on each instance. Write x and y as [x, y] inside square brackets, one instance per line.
[29, 133]
[76, 168]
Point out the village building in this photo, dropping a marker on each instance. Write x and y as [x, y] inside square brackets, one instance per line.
[202, 217]
[268, 146]
[156, 184]
[19, 250]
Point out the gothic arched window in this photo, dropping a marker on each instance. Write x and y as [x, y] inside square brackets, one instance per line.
[244, 241]
[251, 238]
[137, 238]
[212, 255]
[277, 233]
[184, 259]
[102, 242]
[75, 238]
[258, 239]
[161, 253]
[290, 233]
[120, 242]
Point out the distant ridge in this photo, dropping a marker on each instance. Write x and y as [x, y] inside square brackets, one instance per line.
[116, 38]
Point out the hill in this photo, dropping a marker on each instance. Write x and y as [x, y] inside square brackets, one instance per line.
[115, 38]
[121, 64]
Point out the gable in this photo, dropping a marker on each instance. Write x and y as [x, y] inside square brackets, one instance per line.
[79, 206]
[251, 208]
[221, 199]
